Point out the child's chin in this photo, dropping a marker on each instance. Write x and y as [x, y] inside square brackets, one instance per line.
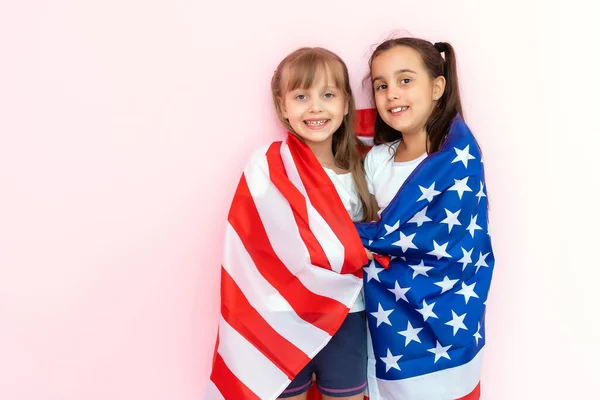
[318, 138]
[401, 127]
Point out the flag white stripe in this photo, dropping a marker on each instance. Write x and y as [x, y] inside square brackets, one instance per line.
[287, 243]
[212, 392]
[367, 140]
[260, 375]
[269, 303]
[333, 248]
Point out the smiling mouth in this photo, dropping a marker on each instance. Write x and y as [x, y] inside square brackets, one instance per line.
[398, 110]
[316, 123]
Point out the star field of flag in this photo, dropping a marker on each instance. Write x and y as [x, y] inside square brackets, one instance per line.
[426, 311]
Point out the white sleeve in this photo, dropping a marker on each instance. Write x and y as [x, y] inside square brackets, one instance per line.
[370, 164]
[374, 161]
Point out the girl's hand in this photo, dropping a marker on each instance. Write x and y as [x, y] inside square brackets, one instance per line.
[369, 254]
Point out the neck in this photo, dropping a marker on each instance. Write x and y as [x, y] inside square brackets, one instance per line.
[415, 142]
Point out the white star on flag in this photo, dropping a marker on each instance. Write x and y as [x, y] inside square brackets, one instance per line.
[460, 186]
[406, 242]
[427, 311]
[390, 229]
[428, 193]
[466, 259]
[420, 218]
[468, 291]
[481, 262]
[457, 322]
[439, 251]
[400, 292]
[463, 155]
[382, 315]
[473, 226]
[440, 351]
[477, 335]
[391, 361]
[373, 271]
[481, 193]
[411, 334]
[451, 219]
[446, 284]
[420, 269]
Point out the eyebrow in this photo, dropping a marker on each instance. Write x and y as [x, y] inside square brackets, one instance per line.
[400, 71]
[299, 89]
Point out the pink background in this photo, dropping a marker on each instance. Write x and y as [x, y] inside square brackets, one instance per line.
[124, 127]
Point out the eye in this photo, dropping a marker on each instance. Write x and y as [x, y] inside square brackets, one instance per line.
[405, 81]
[383, 86]
[329, 95]
[300, 97]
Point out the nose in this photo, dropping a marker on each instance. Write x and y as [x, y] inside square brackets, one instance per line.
[392, 94]
[315, 105]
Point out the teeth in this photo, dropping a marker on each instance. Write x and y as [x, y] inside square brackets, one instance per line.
[398, 109]
[316, 123]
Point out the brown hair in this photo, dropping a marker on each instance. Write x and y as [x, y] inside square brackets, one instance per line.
[300, 69]
[438, 123]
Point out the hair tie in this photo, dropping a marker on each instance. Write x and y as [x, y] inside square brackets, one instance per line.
[441, 47]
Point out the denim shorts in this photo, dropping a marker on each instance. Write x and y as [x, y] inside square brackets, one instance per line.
[341, 367]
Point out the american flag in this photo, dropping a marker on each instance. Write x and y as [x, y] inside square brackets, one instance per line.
[291, 269]
[426, 309]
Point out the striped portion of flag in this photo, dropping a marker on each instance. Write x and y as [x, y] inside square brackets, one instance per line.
[291, 270]
[364, 124]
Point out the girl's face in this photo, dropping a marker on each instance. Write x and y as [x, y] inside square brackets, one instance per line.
[405, 93]
[317, 112]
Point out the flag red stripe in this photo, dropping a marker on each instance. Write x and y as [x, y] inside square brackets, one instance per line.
[365, 122]
[298, 204]
[323, 312]
[244, 318]
[228, 384]
[474, 395]
[324, 197]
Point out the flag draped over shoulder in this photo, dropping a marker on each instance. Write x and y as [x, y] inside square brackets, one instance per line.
[426, 308]
[291, 270]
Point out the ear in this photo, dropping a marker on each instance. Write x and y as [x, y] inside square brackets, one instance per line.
[346, 108]
[439, 86]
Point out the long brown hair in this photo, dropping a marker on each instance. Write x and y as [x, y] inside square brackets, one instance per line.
[438, 123]
[300, 69]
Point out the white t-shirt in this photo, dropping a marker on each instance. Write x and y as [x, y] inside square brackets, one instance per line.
[344, 184]
[386, 176]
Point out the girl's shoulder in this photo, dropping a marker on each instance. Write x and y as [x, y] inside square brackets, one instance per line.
[381, 153]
